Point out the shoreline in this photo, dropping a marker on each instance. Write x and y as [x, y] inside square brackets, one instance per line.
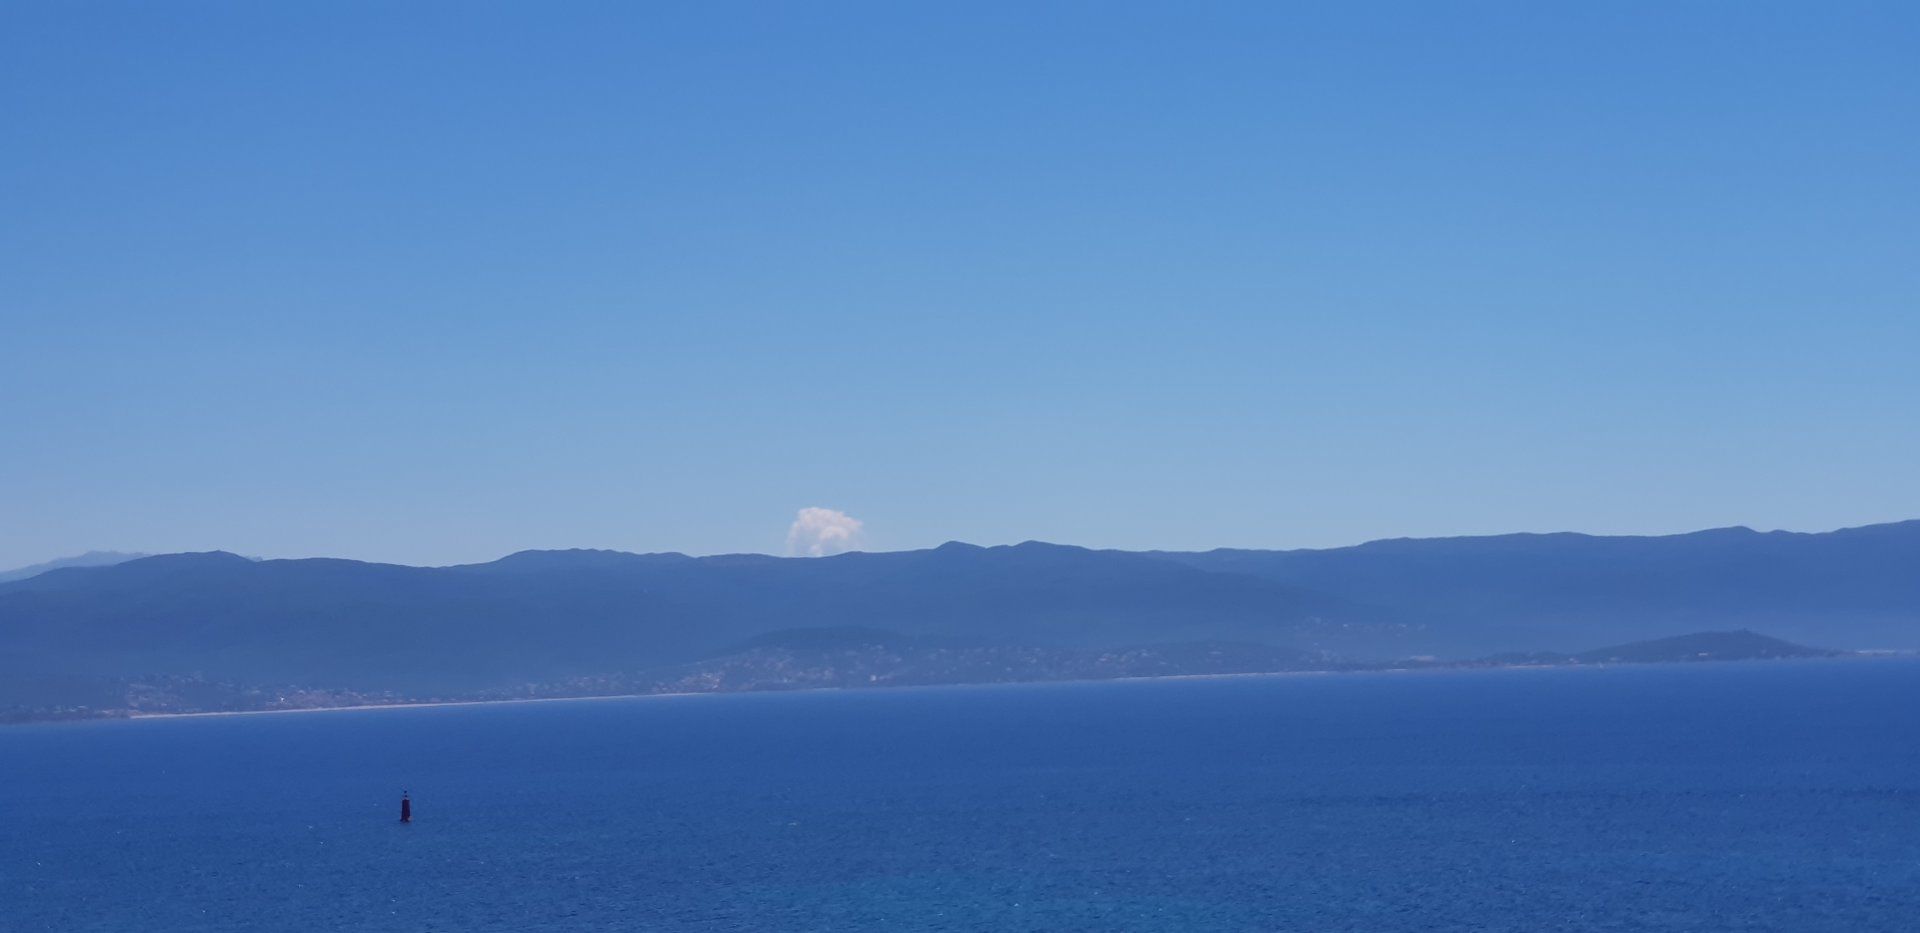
[427, 704]
[430, 704]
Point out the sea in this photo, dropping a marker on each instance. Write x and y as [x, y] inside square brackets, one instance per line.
[1777, 796]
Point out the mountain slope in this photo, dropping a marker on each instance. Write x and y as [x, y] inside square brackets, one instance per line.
[1703, 646]
[89, 559]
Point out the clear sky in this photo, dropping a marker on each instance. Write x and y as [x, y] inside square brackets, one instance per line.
[433, 282]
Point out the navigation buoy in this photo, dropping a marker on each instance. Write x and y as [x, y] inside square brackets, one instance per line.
[406, 808]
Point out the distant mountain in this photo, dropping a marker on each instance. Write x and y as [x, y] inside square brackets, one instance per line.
[89, 559]
[1858, 587]
[541, 616]
[1704, 646]
[219, 624]
[826, 639]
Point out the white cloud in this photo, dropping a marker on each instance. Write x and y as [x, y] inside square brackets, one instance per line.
[819, 532]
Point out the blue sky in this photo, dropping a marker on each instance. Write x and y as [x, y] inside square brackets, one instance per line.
[434, 282]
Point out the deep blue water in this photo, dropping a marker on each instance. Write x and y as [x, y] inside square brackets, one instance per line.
[1767, 796]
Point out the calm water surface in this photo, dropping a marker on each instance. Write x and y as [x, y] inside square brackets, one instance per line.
[1768, 796]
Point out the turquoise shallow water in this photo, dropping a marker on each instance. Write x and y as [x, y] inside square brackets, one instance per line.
[1767, 796]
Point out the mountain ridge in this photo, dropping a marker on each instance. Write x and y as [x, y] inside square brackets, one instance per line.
[1517, 588]
[543, 616]
[88, 559]
[538, 616]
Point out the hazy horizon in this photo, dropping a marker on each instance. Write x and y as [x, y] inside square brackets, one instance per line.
[128, 552]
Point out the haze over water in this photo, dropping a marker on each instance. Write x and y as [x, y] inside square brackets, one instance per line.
[1773, 795]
